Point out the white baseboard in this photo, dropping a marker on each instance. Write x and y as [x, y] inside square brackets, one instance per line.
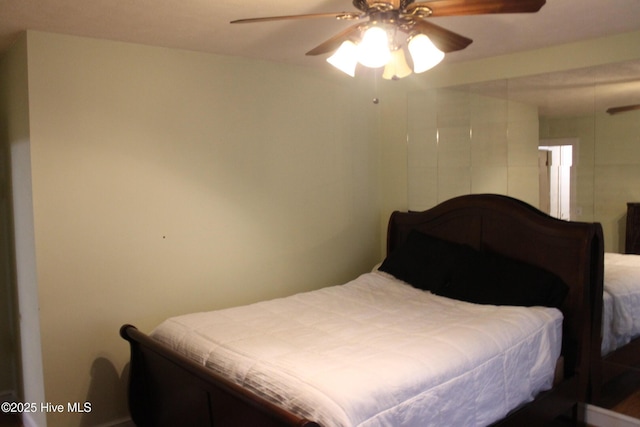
[600, 417]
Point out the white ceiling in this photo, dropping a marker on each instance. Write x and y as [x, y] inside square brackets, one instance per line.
[203, 25]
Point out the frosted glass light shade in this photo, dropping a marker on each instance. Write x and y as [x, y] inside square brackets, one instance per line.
[397, 67]
[345, 58]
[373, 50]
[424, 53]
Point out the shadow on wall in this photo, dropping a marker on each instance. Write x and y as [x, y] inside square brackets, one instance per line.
[107, 395]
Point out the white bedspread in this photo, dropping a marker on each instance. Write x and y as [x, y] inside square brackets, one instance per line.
[621, 310]
[377, 352]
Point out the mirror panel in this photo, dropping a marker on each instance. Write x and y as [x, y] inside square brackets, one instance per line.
[484, 137]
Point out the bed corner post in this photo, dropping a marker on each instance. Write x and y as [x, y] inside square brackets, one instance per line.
[597, 290]
[136, 392]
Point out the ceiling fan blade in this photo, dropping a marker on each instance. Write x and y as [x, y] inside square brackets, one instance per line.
[616, 110]
[445, 40]
[477, 7]
[337, 15]
[334, 42]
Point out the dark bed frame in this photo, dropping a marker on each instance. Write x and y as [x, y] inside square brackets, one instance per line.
[167, 389]
[619, 371]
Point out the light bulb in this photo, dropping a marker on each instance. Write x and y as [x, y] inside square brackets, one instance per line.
[424, 53]
[345, 58]
[397, 67]
[373, 50]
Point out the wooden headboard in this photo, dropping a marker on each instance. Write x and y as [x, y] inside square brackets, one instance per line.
[572, 250]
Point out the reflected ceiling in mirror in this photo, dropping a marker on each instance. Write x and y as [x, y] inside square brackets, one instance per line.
[570, 93]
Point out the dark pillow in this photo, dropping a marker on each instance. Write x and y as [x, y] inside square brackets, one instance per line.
[490, 278]
[423, 261]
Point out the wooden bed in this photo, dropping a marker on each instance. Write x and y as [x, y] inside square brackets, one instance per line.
[167, 389]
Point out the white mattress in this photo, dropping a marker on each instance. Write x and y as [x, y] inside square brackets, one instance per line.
[621, 309]
[378, 352]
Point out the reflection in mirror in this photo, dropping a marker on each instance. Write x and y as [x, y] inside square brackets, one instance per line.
[496, 137]
[485, 137]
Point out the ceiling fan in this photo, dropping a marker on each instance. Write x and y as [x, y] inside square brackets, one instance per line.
[390, 28]
[623, 109]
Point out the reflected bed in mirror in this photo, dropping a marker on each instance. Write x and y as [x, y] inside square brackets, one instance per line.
[485, 137]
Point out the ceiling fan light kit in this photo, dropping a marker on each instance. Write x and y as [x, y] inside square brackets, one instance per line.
[424, 53]
[377, 49]
[398, 30]
[345, 58]
[373, 49]
[397, 67]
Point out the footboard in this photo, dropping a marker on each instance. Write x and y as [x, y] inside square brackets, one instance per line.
[167, 389]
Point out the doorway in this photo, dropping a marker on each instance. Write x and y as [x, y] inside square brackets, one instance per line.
[555, 176]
